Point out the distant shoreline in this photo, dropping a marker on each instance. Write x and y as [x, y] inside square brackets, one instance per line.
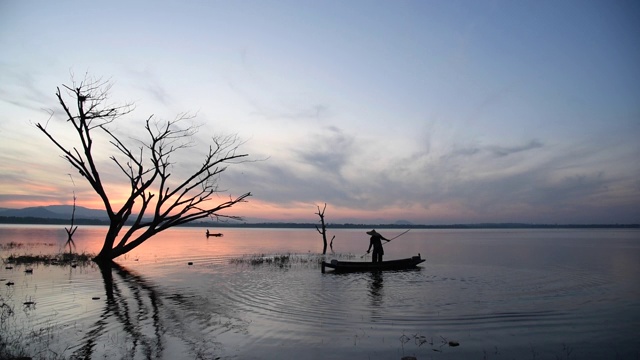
[55, 221]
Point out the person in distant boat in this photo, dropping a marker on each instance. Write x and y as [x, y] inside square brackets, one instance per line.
[376, 243]
[207, 232]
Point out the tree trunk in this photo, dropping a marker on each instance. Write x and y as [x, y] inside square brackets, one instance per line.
[106, 253]
[323, 232]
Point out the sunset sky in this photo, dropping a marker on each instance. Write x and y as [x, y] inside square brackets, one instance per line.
[433, 112]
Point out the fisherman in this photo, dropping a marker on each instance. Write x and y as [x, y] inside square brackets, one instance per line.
[376, 243]
[208, 233]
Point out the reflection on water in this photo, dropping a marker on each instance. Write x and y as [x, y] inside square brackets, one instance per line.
[376, 290]
[134, 305]
[507, 294]
[152, 323]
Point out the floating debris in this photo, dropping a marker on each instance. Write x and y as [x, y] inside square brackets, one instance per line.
[190, 263]
[9, 283]
[453, 343]
[8, 267]
[95, 298]
[28, 271]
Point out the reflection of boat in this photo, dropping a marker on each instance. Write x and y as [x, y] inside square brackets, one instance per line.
[351, 266]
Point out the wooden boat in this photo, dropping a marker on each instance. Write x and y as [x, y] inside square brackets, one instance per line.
[353, 266]
[214, 234]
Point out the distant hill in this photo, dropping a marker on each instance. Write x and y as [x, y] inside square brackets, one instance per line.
[36, 212]
[55, 212]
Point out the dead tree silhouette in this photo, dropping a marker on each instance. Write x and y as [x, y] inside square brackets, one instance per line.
[323, 232]
[156, 200]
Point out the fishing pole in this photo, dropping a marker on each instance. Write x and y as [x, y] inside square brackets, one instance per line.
[399, 235]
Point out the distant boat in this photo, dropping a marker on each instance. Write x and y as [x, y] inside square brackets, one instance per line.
[353, 266]
[213, 234]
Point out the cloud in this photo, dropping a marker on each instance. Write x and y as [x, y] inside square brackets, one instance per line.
[585, 186]
[283, 108]
[150, 84]
[329, 152]
[22, 88]
[326, 170]
[506, 151]
[483, 181]
[266, 98]
[493, 150]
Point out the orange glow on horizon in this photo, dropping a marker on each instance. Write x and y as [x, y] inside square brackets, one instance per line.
[259, 210]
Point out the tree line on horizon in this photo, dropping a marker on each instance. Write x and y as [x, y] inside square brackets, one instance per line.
[303, 225]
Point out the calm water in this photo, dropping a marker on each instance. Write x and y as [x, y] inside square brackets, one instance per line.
[501, 294]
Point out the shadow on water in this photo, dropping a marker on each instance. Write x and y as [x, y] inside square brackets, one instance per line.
[134, 304]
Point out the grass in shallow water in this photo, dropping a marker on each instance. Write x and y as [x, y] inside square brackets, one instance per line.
[15, 245]
[282, 260]
[62, 258]
[53, 259]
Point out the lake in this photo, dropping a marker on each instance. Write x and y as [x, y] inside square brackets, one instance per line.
[499, 294]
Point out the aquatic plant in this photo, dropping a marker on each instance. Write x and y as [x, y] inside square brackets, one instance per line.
[72, 259]
[280, 260]
[15, 245]
[11, 245]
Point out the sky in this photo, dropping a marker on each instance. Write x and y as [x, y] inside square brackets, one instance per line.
[433, 112]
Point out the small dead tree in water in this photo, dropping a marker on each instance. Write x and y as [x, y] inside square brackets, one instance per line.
[72, 229]
[323, 232]
[155, 200]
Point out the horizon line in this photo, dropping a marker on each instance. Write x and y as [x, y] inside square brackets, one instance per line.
[27, 220]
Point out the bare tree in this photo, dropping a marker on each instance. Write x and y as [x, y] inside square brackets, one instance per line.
[153, 203]
[72, 229]
[323, 232]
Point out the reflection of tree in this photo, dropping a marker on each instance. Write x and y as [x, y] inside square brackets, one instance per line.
[134, 304]
[141, 320]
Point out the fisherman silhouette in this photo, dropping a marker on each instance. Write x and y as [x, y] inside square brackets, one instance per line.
[376, 242]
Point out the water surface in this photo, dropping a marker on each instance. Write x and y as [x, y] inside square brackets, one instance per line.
[500, 294]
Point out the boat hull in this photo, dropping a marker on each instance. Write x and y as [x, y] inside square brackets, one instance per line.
[355, 266]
